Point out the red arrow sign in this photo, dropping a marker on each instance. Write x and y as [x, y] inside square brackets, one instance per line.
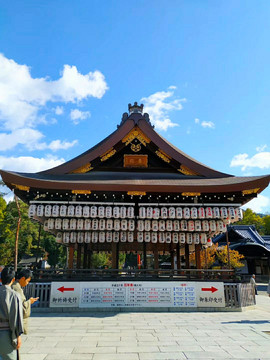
[213, 289]
[62, 289]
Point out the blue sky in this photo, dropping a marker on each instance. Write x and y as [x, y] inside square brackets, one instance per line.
[68, 70]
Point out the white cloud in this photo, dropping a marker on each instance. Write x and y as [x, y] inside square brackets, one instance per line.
[261, 148]
[77, 115]
[29, 163]
[260, 160]
[22, 97]
[158, 108]
[59, 110]
[260, 204]
[208, 124]
[27, 137]
[197, 121]
[55, 145]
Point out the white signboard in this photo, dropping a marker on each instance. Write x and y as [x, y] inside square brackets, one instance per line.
[137, 294]
[65, 294]
[210, 294]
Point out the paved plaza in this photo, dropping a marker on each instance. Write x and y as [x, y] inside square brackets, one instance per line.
[150, 336]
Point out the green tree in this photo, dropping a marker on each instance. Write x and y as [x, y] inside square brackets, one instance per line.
[251, 218]
[266, 221]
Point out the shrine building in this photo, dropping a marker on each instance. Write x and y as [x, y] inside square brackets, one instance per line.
[134, 192]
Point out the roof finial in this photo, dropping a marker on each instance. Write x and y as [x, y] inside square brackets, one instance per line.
[135, 108]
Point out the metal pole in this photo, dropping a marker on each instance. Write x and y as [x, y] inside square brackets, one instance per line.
[17, 234]
[228, 250]
[38, 249]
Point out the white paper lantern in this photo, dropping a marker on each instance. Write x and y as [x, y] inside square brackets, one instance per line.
[116, 212]
[203, 238]
[94, 237]
[209, 242]
[55, 210]
[212, 225]
[182, 238]
[219, 225]
[149, 212]
[201, 213]
[40, 211]
[78, 211]
[130, 237]
[116, 225]
[109, 224]
[73, 237]
[194, 213]
[71, 211]
[224, 212]
[130, 212]
[109, 237]
[102, 224]
[86, 211]
[168, 237]
[123, 212]
[108, 212]
[161, 237]
[142, 212]
[179, 213]
[63, 211]
[147, 236]
[155, 225]
[169, 225]
[176, 225]
[93, 211]
[216, 213]
[73, 224]
[208, 213]
[184, 225]
[175, 237]
[87, 237]
[147, 225]
[131, 225]
[140, 225]
[239, 213]
[58, 224]
[123, 236]
[191, 225]
[59, 238]
[87, 224]
[124, 224]
[205, 225]
[80, 224]
[140, 236]
[66, 238]
[65, 224]
[189, 238]
[171, 212]
[48, 210]
[198, 225]
[50, 224]
[186, 213]
[101, 237]
[161, 225]
[156, 213]
[164, 212]
[101, 212]
[154, 237]
[32, 210]
[231, 213]
[196, 238]
[80, 238]
[95, 224]
[45, 225]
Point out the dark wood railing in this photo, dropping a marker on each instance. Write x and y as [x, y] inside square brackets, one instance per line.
[138, 274]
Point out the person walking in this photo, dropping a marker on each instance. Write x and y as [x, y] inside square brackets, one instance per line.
[11, 317]
[22, 279]
[253, 282]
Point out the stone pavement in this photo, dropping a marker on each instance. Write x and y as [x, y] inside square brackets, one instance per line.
[150, 336]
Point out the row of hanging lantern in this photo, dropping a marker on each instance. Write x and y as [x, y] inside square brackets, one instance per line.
[171, 212]
[129, 225]
[108, 237]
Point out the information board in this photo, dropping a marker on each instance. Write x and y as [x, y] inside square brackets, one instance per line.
[65, 294]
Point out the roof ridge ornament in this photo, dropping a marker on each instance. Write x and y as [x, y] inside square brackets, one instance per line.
[135, 108]
[138, 111]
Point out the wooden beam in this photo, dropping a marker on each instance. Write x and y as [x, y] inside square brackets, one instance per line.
[79, 256]
[144, 256]
[70, 256]
[198, 256]
[187, 256]
[178, 256]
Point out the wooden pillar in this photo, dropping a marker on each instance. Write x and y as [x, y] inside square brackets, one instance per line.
[71, 256]
[156, 264]
[187, 256]
[198, 256]
[178, 256]
[144, 256]
[79, 256]
[85, 256]
[115, 255]
[172, 259]
[89, 257]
